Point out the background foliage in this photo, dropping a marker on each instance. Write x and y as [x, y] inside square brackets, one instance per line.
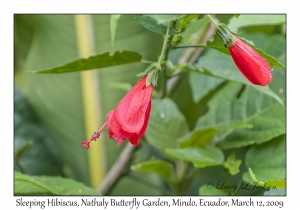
[207, 123]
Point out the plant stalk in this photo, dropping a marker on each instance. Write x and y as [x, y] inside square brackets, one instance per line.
[163, 51]
[213, 21]
[91, 99]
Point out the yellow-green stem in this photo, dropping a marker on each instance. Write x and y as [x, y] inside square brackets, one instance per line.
[92, 113]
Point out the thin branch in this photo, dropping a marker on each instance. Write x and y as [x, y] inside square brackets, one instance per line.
[116, 169]
[205, 39]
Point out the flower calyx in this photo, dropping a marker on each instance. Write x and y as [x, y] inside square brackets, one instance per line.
[226, 34]
[152, 73]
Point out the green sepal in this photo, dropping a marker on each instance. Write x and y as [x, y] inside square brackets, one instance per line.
[149, 78]
[226, 35]
[152, 71]
[148, 69]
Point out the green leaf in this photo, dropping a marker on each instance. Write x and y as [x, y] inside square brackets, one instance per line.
[276, 183]
[47, 185]
[34, 150]
[267, 123]
[217, 43]
[200, 157]
[195, 26]
[166, 124]
[167, 18]
[205, 190]
[131, 185]
[226, 69]
[152, 25]
[162, 168]
[255, 20]
[279, 78]
[274, 45]
[200, 137]
[94, 62]
[121, 86]
[113, 27]
[202, 84]
[232, 164]
[266, 90]
[265, 114]
[267, 161]
[275, 192]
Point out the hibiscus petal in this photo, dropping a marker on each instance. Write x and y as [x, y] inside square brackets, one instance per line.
[115, 131]
[243, 70]
[254, 67]
[131, 110]
[135, 138]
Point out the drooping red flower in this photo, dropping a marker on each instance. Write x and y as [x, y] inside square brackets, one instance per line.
[130, 118]
[253, 66]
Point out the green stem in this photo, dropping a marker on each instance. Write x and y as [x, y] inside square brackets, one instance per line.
[212, 20]
[164, 86]
[163, 51]
[227, 180]
[23, 168]
[182, 180]
[181, 169]
[237, 189]
[161, 60]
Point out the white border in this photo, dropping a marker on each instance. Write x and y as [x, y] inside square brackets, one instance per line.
[8, 8]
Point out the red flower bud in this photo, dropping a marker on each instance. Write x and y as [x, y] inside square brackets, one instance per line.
[130, 118]
[253, 66]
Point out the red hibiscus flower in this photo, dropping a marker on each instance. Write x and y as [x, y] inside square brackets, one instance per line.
[253, 66]
[130, 118]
